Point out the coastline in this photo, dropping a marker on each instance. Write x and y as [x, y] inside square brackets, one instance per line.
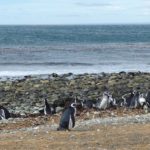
[25, 94]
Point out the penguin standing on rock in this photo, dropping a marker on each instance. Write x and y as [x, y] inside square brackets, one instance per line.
[67, 120]
[4, 113]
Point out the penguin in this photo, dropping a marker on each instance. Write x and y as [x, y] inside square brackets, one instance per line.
[4, 113]
[135, 100]
[67, 120]
[121, 102]
[112, 101]
[97, 104]
[47, 108]
[104, 103]
[127, 98]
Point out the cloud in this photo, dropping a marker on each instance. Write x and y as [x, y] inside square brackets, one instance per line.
[92, 4]
[106, 6]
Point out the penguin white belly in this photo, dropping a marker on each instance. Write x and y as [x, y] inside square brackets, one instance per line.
[70, 123]
[2, 114]
[142, 100]
[45, 113]
[104, 103]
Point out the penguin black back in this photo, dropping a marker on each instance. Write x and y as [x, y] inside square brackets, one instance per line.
[129, 99]
[148, 97]
[135, 100]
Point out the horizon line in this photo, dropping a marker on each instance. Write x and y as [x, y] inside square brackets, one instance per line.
[75, 24]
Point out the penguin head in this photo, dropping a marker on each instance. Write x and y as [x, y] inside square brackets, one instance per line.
[141, 95]
[45, 100]
[1, 107]
[134, 92]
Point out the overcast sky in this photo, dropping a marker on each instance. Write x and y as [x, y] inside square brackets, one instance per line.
[74, 11]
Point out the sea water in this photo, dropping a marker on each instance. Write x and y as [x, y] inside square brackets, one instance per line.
[28, 50]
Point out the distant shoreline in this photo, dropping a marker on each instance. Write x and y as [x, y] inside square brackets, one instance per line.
[46, 76]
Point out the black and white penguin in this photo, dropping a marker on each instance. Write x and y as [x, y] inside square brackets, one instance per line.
[135, 100]
[104, 103]
[67, 120]
[127, 98]
[121, 102]
[4, 113]
[47, 108]
[112, 101]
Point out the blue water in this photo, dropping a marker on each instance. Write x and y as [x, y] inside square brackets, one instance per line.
[28, 50]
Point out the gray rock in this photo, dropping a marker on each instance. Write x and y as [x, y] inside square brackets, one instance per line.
[59, 109]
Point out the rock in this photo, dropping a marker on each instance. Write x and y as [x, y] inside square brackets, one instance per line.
[72, 82]
[55, 75]
[23, 114]
[59, 109]
[36, 112]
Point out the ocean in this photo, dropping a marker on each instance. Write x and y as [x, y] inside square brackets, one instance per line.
[32, 50]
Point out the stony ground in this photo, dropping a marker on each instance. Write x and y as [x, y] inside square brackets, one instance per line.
[104, 130]
[26, 95]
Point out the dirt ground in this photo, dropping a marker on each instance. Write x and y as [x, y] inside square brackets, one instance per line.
[120, 137]
[96, 137]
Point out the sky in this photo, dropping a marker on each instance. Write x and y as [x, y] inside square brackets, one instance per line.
[58, 12]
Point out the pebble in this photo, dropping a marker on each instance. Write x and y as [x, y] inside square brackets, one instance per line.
[98, 130]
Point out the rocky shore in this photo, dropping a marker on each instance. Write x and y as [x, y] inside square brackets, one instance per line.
[24, 95]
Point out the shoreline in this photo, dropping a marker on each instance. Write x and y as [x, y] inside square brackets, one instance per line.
[47, 75]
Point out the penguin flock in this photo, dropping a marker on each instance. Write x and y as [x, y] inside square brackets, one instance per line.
[131, 100]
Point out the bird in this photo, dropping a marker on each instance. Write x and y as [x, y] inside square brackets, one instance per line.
[49, 109]
[128, 99]
[104, 103]
[112, 101]
[67, 120]
[134, 103]
[4, 113]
